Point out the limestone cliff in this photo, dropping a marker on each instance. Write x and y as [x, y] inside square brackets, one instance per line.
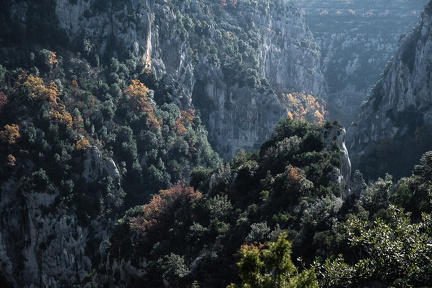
[394, 125]
[43, 243]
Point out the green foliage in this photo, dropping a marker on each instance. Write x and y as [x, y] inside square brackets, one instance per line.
[395, 253]
[271, 266]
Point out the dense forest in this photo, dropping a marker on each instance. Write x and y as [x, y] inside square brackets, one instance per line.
[110, 176]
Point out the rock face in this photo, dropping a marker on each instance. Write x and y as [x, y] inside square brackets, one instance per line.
[357, 38]
[337, 134]
[96, 166]
[396, 118]
[273, 44]
[43, 245]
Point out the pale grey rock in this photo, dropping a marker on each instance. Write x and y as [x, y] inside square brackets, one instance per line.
[96, 166]
[357, 184]
[336, 134]
[236, 117]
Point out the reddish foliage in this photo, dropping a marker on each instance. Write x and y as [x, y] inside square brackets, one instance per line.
[181, 123]
[166, 202]
[294, 174]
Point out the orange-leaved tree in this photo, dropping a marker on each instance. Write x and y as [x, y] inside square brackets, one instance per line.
[10, 134]
[173, 200]
[82, 145]
[185, 118]
[304, 107]
[138, 95]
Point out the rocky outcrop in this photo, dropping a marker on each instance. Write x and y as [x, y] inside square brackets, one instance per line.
[337, 135]
[357, 38]
[236, 117]
[96, 167]
[43, 242]
[396, 117]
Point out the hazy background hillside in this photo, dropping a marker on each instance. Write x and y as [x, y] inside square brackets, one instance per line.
[357, 38]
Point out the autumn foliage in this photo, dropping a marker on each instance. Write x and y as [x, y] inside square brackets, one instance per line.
[37, 90]
[182, 122]
[3, 101]
[164, 203]
[304, 107]
[10, 134]
[35, 87]
[140, 101]
[82, 144]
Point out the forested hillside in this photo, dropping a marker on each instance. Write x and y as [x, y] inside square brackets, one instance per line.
[185, 144]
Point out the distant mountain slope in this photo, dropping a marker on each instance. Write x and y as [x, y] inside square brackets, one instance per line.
[394, 127]
[357, 38]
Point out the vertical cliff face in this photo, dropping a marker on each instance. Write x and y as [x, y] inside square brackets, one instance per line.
[394, 124]
[357, 38]
[46, 244]
[221, 56]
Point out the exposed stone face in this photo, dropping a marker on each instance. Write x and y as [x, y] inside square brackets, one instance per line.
[36, 247]
[400, 102]
[357, 38]
[96, 166]
[42, 242]
[342, 177]
[236, 117]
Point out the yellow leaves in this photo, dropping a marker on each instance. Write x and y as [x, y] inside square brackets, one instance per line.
[137, 90]
[10, 134]
[35, 87]
[3, 101]
[53, 58]
[138, 94]
[52, 93]
[82, 145]
[319, 116]
[60, 115]
[74, 83]
[139, 100]
[304, 107]
[38, 91]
